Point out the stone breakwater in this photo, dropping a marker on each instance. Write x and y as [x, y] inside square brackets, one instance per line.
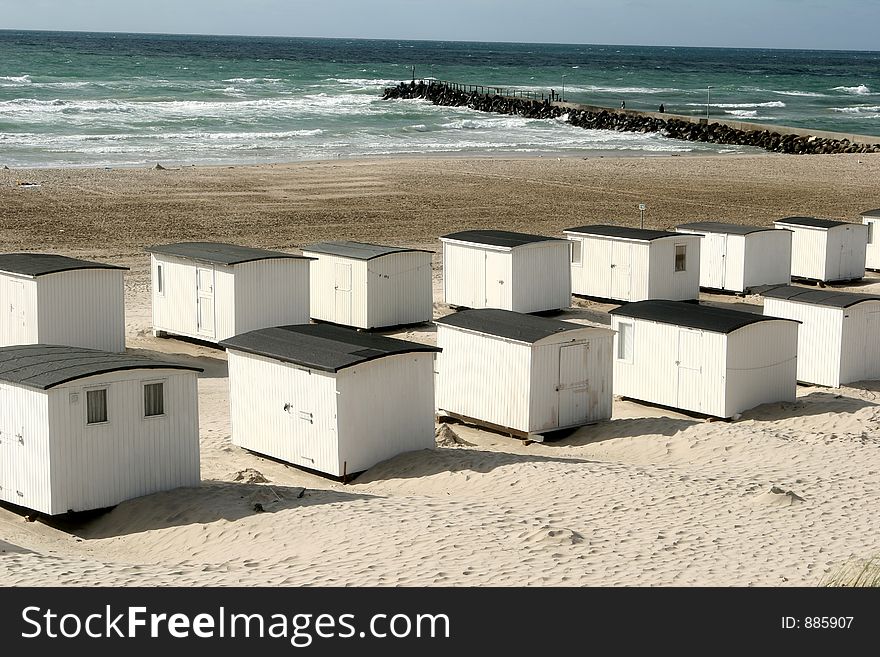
[627, 121]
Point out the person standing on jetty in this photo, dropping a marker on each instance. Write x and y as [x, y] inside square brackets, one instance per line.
[662, 109]
[623, 104]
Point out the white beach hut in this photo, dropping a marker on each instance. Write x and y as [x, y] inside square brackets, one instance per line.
[839, 337]
[329, 398]
[511, 271]
[211, 291]
[85, 429]
[738, 258]
[871, 219]
[522, 374]
[54, 299]
[634, 264]
[369, 285]
[703, 359]
[824, 250]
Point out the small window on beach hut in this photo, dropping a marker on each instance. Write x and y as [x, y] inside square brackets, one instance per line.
[680, 257]
[870, 232]
[576, 252]
[160, 279]
[154, 399]
[96, 406]
[625, 342]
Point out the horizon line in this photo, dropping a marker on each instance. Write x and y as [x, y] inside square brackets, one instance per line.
[342, 38]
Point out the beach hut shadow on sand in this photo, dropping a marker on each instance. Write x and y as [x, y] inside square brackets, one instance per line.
[868, 389]
[11, 548]
[425, 463]
[815, 403]
[211, 502]
[645, 428]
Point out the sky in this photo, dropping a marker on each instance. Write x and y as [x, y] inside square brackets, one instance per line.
[809, 24]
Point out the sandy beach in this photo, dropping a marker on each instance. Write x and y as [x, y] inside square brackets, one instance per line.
[782, 496]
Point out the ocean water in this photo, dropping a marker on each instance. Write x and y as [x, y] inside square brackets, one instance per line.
[84, 99]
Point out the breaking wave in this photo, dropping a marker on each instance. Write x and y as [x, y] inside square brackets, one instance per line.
[861, 90]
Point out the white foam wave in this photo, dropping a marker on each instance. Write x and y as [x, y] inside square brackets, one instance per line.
[745, 114]
[365, 82]
[772, 103]
[803, 94]
[306, 105]
[62, 85]
[861, 90]
[15, 79]
[251, 80]
[490, 122]
[858, 109]
[466, 124]
[623, 90]
[212, 139]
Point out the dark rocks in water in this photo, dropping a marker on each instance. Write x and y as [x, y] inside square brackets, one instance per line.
[716, 133]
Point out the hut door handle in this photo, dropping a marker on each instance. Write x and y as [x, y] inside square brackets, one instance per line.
[613, 266]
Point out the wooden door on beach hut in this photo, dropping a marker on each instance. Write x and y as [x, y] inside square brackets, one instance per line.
[496, 268]
[841, 269]
[715, 269]
[621, 270]
[10, 446]
[342, 291]
[573, 384]
[205, 300]
[17, 318]
[690, 370]
[871, 333]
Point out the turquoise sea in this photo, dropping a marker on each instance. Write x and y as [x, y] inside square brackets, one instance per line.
[89, 99]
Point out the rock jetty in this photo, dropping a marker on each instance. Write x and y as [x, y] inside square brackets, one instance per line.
[625, 121]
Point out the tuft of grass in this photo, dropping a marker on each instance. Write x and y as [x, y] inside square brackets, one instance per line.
[855, 573]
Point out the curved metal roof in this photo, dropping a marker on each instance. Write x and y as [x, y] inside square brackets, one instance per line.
[811, 222]
[219, 253]
[358, 250]
[721, 227]
[321, 346]
[45, 366]
[692, 315]
[509, 324]
[40, 264]
[826, 297]
[503, 238]
[624, 232]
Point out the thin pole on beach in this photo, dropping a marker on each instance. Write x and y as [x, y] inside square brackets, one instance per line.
[707, 101]
[563, 87]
